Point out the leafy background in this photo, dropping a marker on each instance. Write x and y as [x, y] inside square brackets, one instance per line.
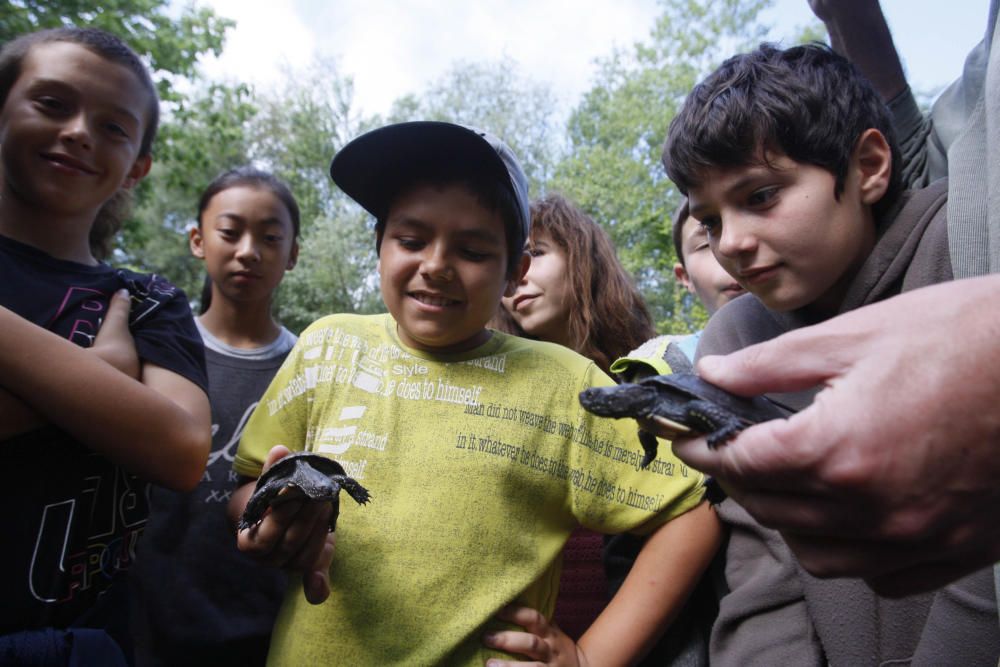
[605, 155]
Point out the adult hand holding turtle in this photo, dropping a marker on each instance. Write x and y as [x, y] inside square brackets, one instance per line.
[891, 474]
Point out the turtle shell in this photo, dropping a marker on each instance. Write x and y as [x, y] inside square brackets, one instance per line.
[753, 410]
[291, 467]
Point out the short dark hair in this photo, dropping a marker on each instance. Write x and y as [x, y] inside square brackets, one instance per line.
[806, 102]
[493, 195]
[97, 41]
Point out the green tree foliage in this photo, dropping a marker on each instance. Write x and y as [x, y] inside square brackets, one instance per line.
[206, 133]
[616, 135]
[171, 42]
[297, 132]
[498, 98]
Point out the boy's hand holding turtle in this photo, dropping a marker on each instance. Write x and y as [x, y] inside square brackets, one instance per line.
[293, 535]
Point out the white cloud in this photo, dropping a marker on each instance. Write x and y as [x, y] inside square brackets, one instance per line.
[395, 47]
[268, 37]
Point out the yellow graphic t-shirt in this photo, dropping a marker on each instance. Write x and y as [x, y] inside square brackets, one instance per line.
[479, 464]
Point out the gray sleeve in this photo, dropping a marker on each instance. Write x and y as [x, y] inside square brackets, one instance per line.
[962, 628]
[913, 132]
[763, 617]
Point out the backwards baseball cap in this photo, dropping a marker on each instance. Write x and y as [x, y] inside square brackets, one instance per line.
[370, 167]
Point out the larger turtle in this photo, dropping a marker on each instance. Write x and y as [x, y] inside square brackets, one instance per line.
[682, 403]
[302, 475]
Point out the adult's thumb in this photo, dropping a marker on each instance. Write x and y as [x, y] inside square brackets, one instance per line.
[791, 362]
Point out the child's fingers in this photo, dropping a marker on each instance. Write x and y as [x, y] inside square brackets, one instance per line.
[316, 583]
[116, 319]
[519, 643]
[276, 453]
[309, 533]
[528, 618]
[265, 540]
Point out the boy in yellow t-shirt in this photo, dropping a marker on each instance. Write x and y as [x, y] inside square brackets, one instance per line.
[478, 456]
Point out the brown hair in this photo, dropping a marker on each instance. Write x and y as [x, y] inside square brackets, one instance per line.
[607, 315]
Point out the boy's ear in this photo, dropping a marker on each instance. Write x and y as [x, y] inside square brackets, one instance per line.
[873, 158]
[682, 277]
[195, 240]
[138, 171]
[519, 273]
[293, 256]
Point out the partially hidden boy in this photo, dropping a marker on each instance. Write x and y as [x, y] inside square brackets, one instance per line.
[478, 456]
[789, 160]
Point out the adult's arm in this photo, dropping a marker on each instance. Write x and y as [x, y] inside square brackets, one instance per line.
[891, 473]
[858, 31]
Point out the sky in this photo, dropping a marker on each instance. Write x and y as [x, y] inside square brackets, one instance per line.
[394, 47]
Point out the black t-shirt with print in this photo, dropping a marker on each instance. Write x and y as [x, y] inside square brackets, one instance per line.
[71, 518]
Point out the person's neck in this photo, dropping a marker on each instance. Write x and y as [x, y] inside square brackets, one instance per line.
[61, 235]
[243, 326]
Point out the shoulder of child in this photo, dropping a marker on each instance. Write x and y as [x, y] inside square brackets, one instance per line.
[740, 323]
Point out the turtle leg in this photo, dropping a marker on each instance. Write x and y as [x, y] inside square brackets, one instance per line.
[716, 423]
[649, 446]
[354, 490]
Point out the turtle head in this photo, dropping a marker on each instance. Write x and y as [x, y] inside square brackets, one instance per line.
[627, 400]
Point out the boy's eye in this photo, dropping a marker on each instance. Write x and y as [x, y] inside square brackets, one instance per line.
[762, 196]
[410, 243]
[227, 233]
[710, 223]
[536, 252]
[51, 104]
[475, 255]
[118, 130]
[273, 238]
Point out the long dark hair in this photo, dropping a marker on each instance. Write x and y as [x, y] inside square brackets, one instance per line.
[245, 176]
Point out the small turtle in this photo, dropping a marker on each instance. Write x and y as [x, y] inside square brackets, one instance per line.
[682, 403]
[299, 475]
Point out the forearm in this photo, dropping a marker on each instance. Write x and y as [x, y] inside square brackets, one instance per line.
[15, 416]
[134, 425]
[859, 32]
[664, 574]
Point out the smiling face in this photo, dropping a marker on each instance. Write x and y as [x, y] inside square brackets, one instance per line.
[701, 274]
[540, 304]
[442, 265]
[779, 229]
[70, 132]
[247, 240]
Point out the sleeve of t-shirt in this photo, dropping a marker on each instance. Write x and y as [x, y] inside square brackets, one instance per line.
[162, 325]
[282, 415]
[615, 495]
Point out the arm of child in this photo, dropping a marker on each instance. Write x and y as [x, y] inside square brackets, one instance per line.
[664, 574]
[158, 428]
[294, 535]
[113, 344]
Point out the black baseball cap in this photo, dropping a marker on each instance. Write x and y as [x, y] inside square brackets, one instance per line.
[361, 168]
